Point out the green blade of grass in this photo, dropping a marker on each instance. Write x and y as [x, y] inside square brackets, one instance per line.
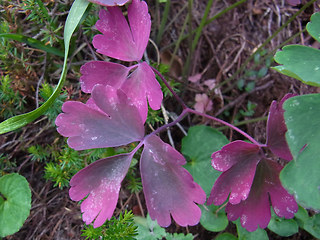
[76, 12]
[33, 43]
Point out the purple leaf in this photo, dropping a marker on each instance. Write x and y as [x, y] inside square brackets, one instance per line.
[100, 180]
[108, 120]
[276, 129]
[120, 41]
[100, 72]
[110, 3]
[238, 161]
[255, 210]
[140, 85]
[168, 187]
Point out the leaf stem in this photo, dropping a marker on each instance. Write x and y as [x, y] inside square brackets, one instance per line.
[187, 110]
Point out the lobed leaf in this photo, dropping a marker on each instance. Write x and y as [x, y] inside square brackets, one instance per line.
[106, 120]
[139, 86]
[313, 27]
[255, 212]
[15, 203]
[276, 129]
[101, 182]
[168, 187]
[118, 39]
[142, 85]
[301, 176]
[300, 61]
[238, 161]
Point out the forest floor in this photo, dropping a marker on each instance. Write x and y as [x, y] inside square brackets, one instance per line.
[224, 45]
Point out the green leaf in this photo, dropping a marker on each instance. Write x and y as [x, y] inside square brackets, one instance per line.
[226, 236]
[198, 147]
[313, 27]
[281, 226]
[212, 220]
[300, 61]
[33, 43]
[148, 229]
[77, 10]
[310, 224]
[301, 176]
[179, 236]
[284, 71]
[243, 234]
[15, 203]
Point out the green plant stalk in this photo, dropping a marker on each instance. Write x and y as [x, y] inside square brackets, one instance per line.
[186, 70]
[77, 10]
[219, 14]
[179, 41]
[244, 65]
[203, 23]
[196, 38]
[163, 21]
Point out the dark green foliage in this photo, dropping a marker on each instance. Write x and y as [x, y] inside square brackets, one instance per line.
[63, 162]
[121, 228]
[11, 101]
[38, 153]
[154, 117]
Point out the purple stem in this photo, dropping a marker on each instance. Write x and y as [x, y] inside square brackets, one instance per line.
[184, 106]
[227, 124]
[187, 110]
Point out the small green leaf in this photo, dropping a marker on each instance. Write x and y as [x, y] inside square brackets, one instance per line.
[243, 234]
[198, 147]
[313, 27]
[281, 226]
[148, 229]
[226, 236]
[15, 203]
[310, 224]
[33, 43]
[212, 220]
[301, 176]
[300, 61]
[76, 12]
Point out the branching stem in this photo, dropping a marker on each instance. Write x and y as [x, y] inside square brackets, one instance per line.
[187, 110]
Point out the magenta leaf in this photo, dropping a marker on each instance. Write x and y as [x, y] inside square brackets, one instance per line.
[118, 39]
[255, 210]
[100, 72]
[142, 85]
[107, 120]
[276, 129]
[110, 3]
[237, 160]
[168, 187]
[101, 182]
[139, 86]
